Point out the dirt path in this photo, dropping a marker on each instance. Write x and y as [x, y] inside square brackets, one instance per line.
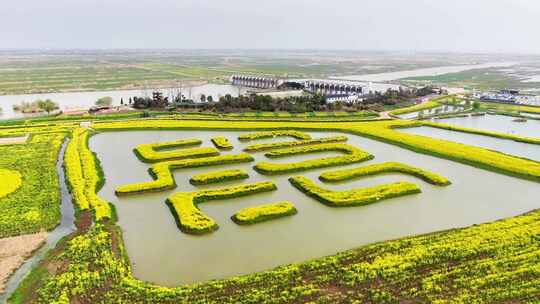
[14, 251]
[13, 140]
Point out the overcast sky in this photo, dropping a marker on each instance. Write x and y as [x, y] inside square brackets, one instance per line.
[412, 25]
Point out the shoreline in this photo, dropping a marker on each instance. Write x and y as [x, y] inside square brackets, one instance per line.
[15, 251]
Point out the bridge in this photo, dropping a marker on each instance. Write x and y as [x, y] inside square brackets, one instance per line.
[330, 87]
[256, 81]
[321, 86]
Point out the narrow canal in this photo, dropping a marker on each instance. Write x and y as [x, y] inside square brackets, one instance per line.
[65, 227]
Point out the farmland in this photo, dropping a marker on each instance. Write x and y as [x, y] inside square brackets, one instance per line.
[57, 71]
[245, 203]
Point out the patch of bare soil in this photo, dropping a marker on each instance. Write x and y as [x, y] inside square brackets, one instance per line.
[14, 251]
[13, 140]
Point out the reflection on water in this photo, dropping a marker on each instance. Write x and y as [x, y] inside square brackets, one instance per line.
[161, 253]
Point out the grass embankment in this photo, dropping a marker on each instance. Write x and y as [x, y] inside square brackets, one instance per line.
[388, 167]
[263, 213]
[272, 134]
[352, 155]
[190, 219]
[84, 176]
[297, 143]
[503, 107]
[222, 143]
[163, 178]
[218, 177]
[151, 153]
[355, 197]
[529, 140]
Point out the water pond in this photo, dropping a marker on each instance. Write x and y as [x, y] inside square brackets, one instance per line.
[438, 110]
[496, 123]
[162, 254]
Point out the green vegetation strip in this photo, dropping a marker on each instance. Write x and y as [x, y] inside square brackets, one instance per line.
[470, 155]
[489, 263]
[509, 107]
[151, 153]
[29, 195]
[288, 144]
[192, 220]
[222, 143]
[416, 108]
[218, 177]
[379, 130]
[529, 140]
[388, 167]
[353, 155]
[355, 197]
[270, 134]
[254, 215]
[163, 177]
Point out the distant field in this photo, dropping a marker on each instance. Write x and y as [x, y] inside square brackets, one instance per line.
[483, 79]
[57, 71]
[113, 76]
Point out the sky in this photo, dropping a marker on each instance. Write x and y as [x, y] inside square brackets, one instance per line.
[494, 26]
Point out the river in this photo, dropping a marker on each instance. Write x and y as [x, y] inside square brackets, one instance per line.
[85, 100]
[380, 77]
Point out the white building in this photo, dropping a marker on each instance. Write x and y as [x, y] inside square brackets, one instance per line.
[342, 97]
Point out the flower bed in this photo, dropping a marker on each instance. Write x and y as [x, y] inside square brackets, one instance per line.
[222, 143]
[279, 133]
[353, 155]
[253, 215]
[151, 153]
[192, 220]
[355, 197]
[218, 177]
[10, 181]
[388, 167]
[162, 172]
[29, 185]
[298, 143]
[84, 176]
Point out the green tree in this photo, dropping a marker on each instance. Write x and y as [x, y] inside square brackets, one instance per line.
[104, 101]
[476, 105]
[210, 98]
[47, 105]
